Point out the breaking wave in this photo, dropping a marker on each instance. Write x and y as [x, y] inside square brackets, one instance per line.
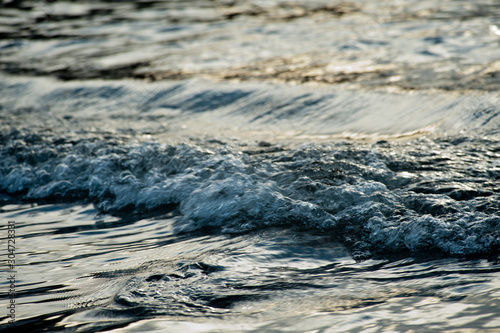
[385, 197]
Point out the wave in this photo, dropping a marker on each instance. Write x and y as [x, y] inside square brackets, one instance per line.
[179, 110]
[438, 195]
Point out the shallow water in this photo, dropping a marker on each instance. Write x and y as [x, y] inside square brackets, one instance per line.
[257, 166]
[92, 272]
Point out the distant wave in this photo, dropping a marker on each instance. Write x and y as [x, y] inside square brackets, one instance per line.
[196, 107]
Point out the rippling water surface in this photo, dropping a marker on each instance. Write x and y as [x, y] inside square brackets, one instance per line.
[251, 166]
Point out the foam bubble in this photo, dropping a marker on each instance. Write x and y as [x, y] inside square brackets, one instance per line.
[370, 198]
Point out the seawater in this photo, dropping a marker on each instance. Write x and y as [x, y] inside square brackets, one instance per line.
[251, 166]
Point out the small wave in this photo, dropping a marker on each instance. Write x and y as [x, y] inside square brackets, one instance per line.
[195, 108]
[423, 196]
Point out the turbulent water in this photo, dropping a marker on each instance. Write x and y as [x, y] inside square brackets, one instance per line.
[251, 166]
